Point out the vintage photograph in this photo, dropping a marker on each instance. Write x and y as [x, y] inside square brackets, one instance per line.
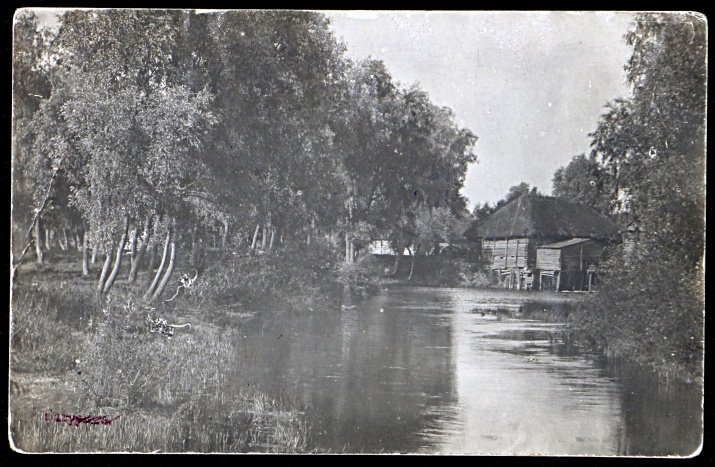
[343, 231]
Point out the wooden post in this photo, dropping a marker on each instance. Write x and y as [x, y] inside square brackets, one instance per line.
[590, 277]
[580, 259]
[494, 252]
[517, 274]
[506, 254]
[558, 280]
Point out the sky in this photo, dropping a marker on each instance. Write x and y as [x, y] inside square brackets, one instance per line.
[530, 85]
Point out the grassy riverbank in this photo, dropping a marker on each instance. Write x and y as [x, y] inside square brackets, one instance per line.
[640, 317]
[75, 353]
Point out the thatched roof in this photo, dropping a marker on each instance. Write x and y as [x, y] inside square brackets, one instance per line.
[543, 216]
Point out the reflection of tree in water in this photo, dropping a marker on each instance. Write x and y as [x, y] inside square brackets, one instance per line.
[660, 418]
[381, 389]
[397, 376]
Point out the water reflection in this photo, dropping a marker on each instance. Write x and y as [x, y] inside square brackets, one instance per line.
[428, 374]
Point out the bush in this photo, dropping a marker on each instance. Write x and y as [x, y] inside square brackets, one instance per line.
[361, 278]
[285, 277]
[648, 313]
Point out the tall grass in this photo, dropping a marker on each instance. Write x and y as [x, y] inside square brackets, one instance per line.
[174, 394]
[250, 422]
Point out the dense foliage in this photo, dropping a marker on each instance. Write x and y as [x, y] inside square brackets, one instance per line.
[647, 167]
[173, 133]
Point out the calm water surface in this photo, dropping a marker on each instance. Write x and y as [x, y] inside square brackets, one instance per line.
[431, 374]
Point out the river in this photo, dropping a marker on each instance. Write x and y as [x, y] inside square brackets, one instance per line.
[432, 370]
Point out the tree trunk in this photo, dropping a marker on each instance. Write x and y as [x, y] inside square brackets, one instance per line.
[142, 249]
[85, 255]
[152, 261]
[347, 248]
[38, 248]
[263, 237]
[133, 246]
[194, 248]
[398, 257]
[273, 236]
[77, 244]
[118, 260]
[312, 227]
[59, 241]
[255, 238]
[47, 239]
[225, 234]
[95, 249]
[414, 256]
[105, 271]
[161, 266]
[167, 276]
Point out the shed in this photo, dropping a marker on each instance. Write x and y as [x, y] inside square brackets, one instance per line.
[569, 264]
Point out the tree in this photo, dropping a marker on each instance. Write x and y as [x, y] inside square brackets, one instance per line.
[652, 147]
[124, 138]
[30, 88]
[584, 180]
[432, 226]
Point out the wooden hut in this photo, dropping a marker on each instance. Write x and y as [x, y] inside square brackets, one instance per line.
[511, 237]
[568, 265]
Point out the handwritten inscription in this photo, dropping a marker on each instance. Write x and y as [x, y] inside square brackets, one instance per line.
[76, 420]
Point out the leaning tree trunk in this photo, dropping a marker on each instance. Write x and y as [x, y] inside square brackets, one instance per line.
[105, 271]
[85, 255]
[95, 250]
[142, 249]
[161, 267]
[273, 236]
[118, 260]
[169, 270]
[152, 262]
[59, 242]
[38, 247]
[263, 237]
[255, 238]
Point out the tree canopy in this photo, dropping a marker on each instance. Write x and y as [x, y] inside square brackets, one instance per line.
[247, 124]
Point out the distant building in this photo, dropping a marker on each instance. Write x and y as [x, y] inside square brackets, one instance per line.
[513, 237]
